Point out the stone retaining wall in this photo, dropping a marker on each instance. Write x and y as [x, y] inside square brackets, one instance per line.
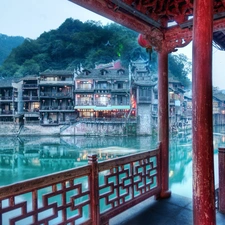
[39, 130]
[74, 129]
[144, 119]
[94, 129]
[9, 129]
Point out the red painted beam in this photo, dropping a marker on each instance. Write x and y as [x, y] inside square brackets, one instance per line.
[203, 165]
[105, 9]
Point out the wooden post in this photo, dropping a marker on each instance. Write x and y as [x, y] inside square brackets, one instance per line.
[163, 121]
[202, 126]
[221, 164]
[92, 160]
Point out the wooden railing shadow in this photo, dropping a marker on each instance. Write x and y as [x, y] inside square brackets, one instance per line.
[90, 194]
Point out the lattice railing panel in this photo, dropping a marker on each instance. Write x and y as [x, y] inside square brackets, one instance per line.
[64, 202]
[127, 180]
[87, 195]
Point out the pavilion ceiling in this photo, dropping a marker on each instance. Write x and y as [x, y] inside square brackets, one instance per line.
[170, 17]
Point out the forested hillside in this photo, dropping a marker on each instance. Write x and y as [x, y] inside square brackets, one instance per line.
[75, 43]
[7, 43]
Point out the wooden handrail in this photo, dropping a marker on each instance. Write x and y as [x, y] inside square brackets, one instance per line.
[40, 182]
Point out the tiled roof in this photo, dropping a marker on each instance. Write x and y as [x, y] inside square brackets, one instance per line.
[140, 60]
[172, 80]
[145, 83]
[109, 74]
[219, 96]
[7, 82]
[30, 77]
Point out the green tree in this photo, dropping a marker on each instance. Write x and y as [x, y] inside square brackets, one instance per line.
[179, 68]
[89, 43]
[7, 44]
[28, 67]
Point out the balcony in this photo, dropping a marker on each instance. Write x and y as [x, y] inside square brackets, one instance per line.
[55, 95]
[6, 98]
[30, 98]
[124, 89]
[187, 113]
[155, 113]
[216, 110]
[31, 112]
[84, 90]
[100, 103]
[105, 89]
[144, 100]
[103, 107]
[57, 108]
[4, 112]
[56, 82]
[30, 86]
[34, 114]
[84, 102]
[172, 101]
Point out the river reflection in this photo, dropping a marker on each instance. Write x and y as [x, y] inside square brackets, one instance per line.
[29, 157]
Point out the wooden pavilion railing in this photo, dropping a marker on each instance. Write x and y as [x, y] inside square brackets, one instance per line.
[221, 188]
[90, 194]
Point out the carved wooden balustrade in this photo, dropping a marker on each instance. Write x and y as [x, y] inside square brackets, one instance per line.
[90, 194]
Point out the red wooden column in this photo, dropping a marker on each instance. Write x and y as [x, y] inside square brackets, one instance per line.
[163, 113]
[203, 166]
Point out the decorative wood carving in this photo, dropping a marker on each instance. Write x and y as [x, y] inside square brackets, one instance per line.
[169, 40]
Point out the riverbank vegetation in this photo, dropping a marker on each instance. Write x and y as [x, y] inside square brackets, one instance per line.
[76, 43]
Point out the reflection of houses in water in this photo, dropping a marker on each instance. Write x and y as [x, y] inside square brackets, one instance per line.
[8, 160]
[106, 153]
[86, 142]
[62, 153]
[57, 157]
[8, 152]
[180, 156]
[39, 156]
[93, 142]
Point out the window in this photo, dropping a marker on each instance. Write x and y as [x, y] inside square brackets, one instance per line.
[120, 85]
[103, 72]
[120, 72]
[50, 78]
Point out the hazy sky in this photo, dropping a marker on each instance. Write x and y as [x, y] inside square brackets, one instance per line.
[30, 18]
[218, 65]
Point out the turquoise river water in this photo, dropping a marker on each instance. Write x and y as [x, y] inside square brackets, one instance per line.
[28, 157]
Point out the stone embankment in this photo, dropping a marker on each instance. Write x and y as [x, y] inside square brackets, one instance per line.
[79, 128]
[8, 129]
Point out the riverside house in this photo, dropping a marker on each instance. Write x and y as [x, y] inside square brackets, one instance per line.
[56, 98]
[107, 94]
[103, 92]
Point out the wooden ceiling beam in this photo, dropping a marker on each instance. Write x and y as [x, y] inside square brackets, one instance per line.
[218, 18]
[123, 13]
[101, 7]
[136, 13]
[219, 25]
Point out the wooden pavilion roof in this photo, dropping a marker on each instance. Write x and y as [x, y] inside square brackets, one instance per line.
[160, 18]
